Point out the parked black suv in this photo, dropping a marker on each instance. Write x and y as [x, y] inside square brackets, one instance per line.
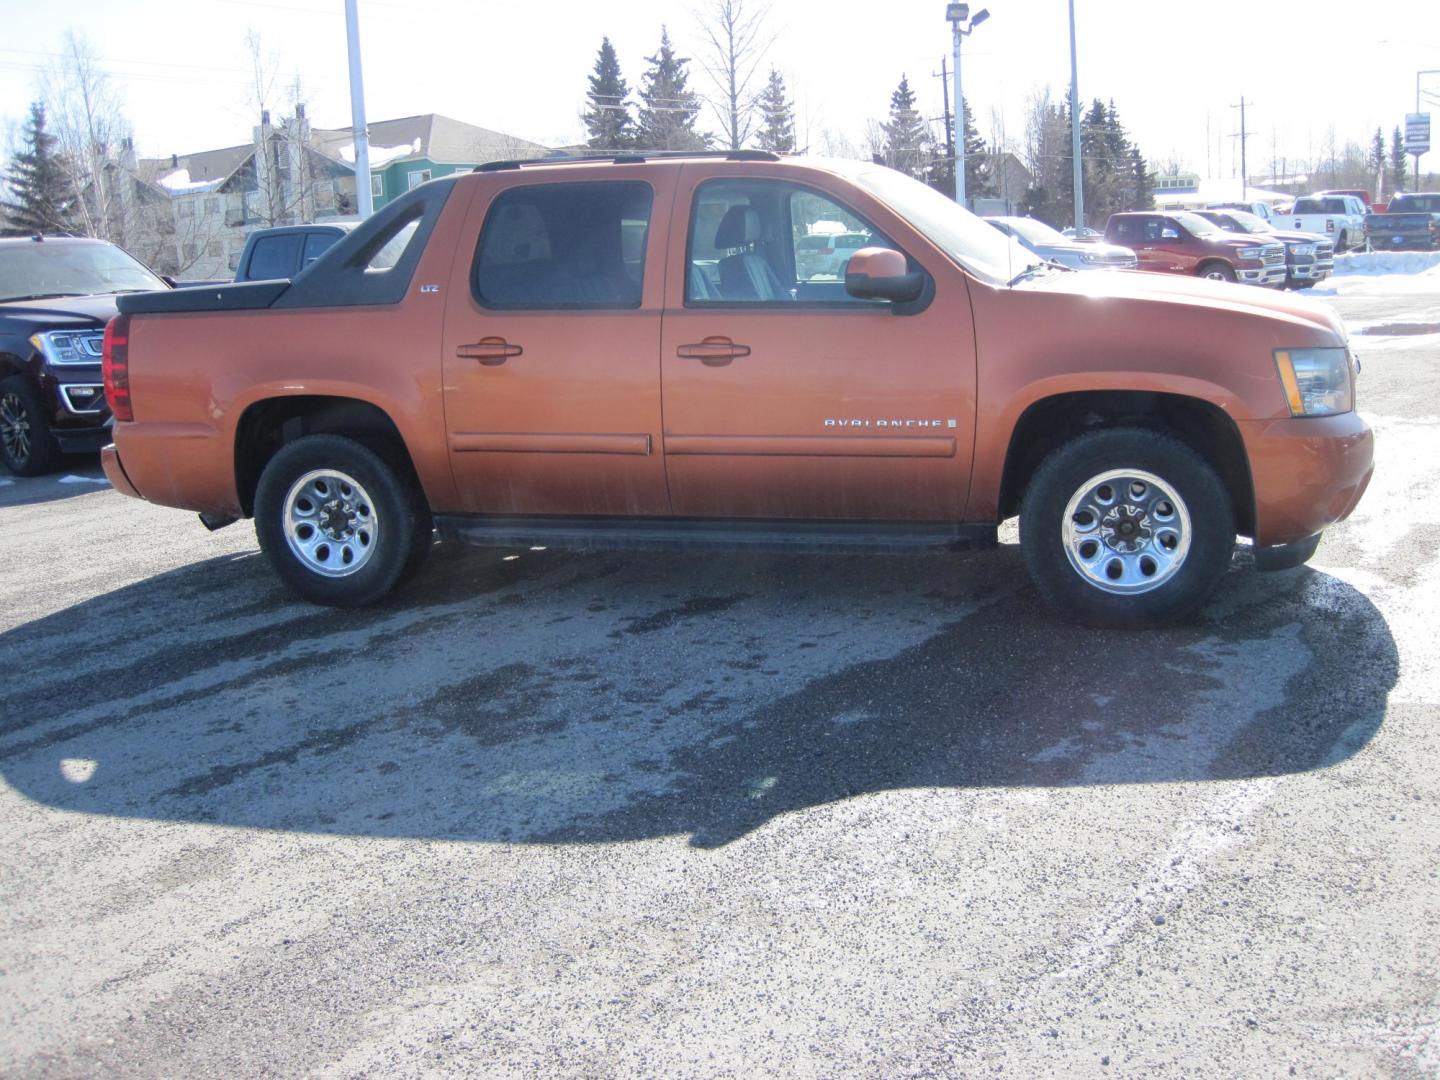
[56, 295]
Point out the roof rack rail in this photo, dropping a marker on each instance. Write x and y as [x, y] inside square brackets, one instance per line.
[628, 159]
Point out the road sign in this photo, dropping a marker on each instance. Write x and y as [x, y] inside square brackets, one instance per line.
[1417, 133]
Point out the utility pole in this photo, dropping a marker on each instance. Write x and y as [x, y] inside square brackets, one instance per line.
[958, 129]
[1077, 164]
[364, 201]
[1244, 175]
[944, 78]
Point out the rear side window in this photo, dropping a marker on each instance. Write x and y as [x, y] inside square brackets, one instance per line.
[275, 257]
[316, 244]
[572, 245]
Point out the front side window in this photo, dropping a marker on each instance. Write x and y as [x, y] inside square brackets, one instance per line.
[771, 242]
[571, 245]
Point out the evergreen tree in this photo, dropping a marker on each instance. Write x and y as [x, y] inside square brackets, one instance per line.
[978, 180]
[1377, 155]
[1143, 197]
[907, 140]
[777, 117]
[1397, 162]
[668, 107]
[43, 198]
[607, 120]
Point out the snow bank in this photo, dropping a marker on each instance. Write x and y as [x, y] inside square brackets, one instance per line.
[380, 156]
[1381, 273]
[1372, 263]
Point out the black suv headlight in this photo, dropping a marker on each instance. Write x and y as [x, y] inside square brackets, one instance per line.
[68, 348]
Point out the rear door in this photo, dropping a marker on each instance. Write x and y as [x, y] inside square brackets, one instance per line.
[784, 397]
[551, 344]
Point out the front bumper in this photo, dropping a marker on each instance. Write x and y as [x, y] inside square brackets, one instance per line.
[1311, 271]
[1307, 473]
[1262, 275]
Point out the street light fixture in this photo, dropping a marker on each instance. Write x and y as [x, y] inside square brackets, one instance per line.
[961, 26]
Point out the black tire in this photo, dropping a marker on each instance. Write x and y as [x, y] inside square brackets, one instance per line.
[1184, 583]
[1342, 242]
[26, 446]
[1217, 271]
[362, 489]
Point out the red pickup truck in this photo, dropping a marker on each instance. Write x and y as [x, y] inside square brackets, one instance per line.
[1181, 242]
[629, 352]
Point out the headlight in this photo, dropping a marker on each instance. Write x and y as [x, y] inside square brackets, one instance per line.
[1251, 253]
[1317, 382]
[65, 347]
[1089, 257]
[1304, 249]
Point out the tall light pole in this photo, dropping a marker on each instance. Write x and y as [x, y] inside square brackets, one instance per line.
[961, 26]
[1076, 163]
[364, 202]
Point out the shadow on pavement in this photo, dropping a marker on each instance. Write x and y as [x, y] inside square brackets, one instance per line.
[28, 490]
[565, 698]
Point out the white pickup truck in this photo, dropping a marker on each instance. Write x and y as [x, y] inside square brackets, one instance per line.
[1339, 217]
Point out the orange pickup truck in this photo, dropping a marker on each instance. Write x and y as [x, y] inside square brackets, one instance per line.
[630, 352]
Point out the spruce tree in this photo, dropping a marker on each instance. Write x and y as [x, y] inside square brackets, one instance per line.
[777, 117]
[668, 107]
[978, 180]
[1397, 162]
[42, 197]
[607, 120]
[1377, 155]
[907, 141]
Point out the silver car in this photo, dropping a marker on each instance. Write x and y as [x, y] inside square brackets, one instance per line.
[1050, 244]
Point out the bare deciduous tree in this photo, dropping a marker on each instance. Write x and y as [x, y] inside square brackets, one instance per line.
[89, 125]
[736, 43]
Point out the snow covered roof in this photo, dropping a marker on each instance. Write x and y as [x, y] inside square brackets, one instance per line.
[1218, 189]
[179, 183]
[380, 156]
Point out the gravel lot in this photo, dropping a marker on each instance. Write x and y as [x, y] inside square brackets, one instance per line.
[547, 814]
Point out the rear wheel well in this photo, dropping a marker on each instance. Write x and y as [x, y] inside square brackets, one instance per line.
[1053, 421]
[268, 425]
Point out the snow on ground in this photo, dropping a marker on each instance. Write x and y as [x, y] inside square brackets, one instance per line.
[1372, 273]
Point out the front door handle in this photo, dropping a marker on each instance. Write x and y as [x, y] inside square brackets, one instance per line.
[489, 351]
[713, 351]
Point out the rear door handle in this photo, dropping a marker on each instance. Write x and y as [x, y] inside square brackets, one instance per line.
[489, 351]
[713, 351]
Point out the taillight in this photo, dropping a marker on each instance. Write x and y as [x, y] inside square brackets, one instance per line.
[115, 364]
[1329, 225]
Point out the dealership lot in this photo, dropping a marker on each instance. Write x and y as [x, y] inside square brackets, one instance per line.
[723, 815]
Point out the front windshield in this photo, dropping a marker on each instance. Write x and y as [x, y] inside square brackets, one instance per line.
[1249, 222]
[57, 268]
[1196, 225]
[986, 252]
[1037, 232]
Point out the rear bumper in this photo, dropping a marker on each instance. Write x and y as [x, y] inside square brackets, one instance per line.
[1308, 473]
[115, 472]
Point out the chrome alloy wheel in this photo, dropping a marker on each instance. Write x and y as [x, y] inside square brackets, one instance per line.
[15, 427]
[1126, 531]
[330, 523]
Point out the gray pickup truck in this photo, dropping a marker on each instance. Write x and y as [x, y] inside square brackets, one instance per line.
[1410, 221]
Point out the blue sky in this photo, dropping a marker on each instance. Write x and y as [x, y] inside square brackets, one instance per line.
[1173, 69]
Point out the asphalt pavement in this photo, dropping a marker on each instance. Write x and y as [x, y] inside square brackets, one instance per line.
[556, 814]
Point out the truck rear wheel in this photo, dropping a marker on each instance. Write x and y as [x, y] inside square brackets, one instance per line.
[1343, 243]
[337, 522]
[1126, 528]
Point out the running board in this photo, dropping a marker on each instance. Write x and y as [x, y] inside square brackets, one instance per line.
[690, 534]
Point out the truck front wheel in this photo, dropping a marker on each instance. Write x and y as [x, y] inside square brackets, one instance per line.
[1218, 271]
[1126, 528]
[337, 522]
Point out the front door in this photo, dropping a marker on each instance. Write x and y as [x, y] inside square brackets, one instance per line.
[786, 398]
[551, 348]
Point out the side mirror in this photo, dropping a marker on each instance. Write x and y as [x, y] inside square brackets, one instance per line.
[881, 274]
[169, 281]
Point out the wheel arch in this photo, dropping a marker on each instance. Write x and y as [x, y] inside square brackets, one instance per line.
[1050, 422]
[270, 423]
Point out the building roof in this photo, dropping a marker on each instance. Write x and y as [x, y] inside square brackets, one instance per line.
[206, 167]
[1220, 189]
[429, 136]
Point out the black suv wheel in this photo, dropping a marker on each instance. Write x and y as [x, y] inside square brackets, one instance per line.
[26, 445]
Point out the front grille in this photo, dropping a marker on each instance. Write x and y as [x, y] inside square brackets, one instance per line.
[1273, 256]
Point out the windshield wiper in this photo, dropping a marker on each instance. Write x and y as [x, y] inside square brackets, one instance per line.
[1033, 268]
[41, 296]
